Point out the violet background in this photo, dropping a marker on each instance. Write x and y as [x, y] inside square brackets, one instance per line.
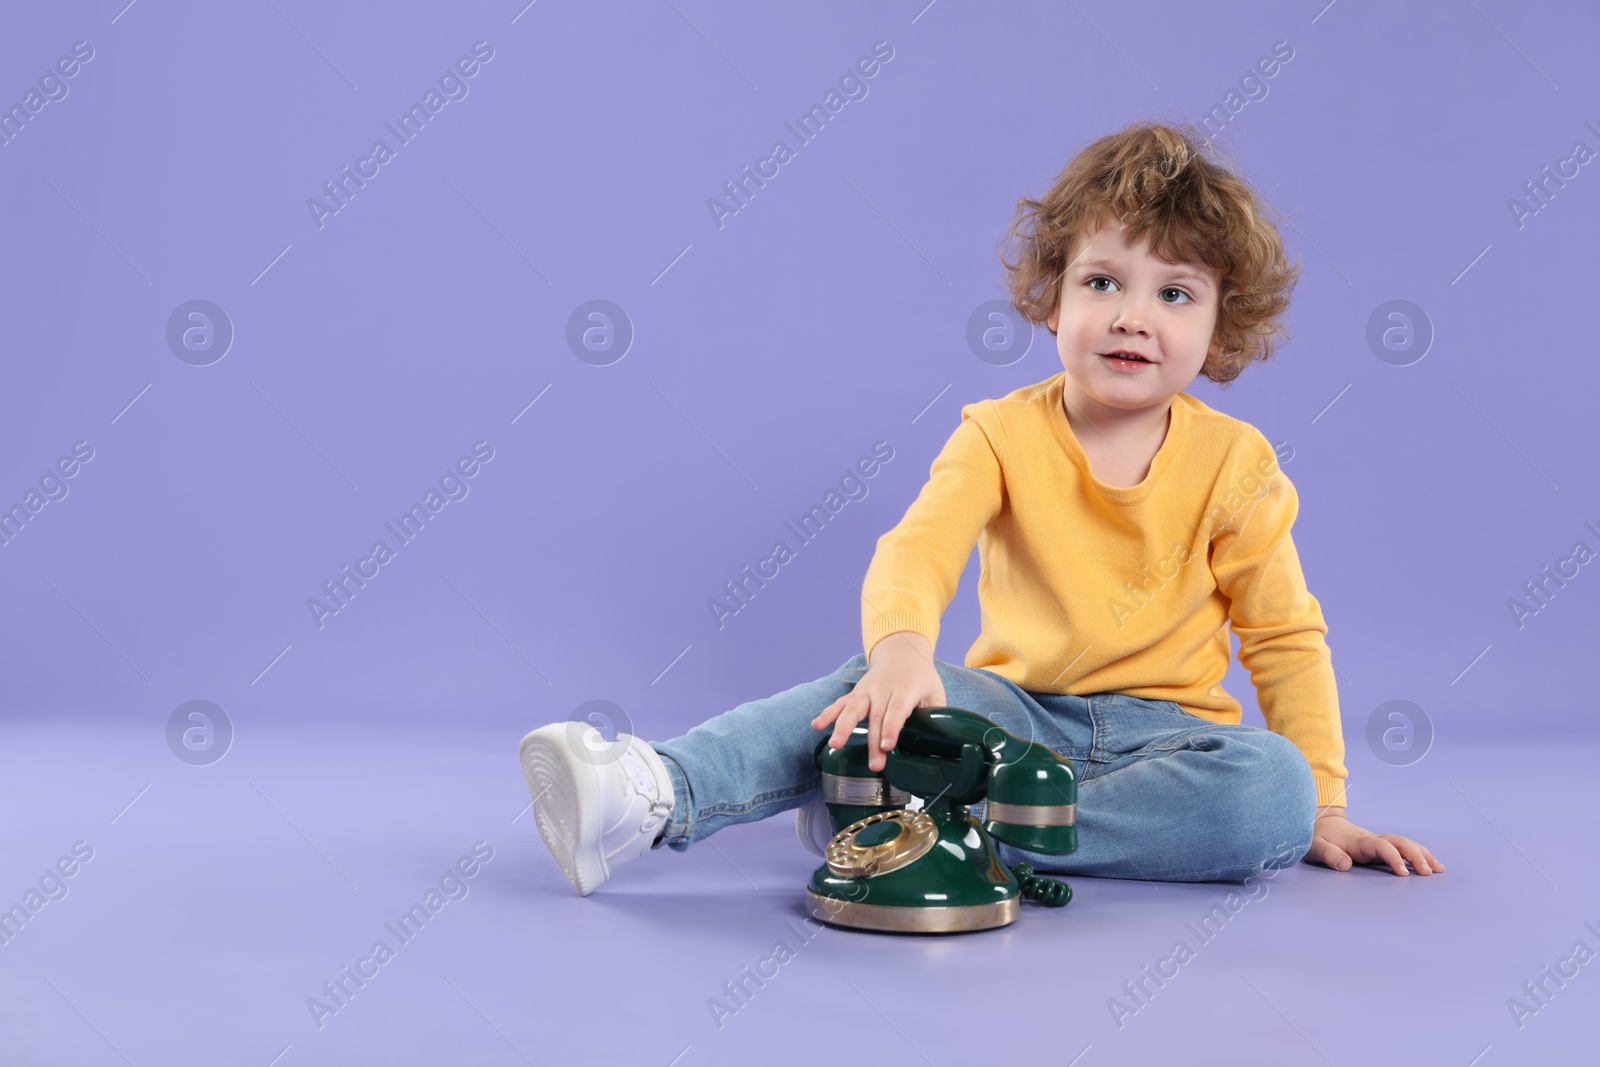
[769, 355]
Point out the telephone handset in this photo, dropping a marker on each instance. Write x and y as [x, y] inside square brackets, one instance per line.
[925, 765]
[935, 869]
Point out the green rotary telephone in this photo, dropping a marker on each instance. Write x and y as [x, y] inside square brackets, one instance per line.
[935, 869]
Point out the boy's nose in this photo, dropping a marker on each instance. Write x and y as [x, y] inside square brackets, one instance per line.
[1129, 320]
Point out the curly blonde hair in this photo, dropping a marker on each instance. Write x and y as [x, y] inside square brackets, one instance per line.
[1164, 187]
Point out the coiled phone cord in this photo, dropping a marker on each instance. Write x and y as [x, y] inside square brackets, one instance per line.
[1051, 892]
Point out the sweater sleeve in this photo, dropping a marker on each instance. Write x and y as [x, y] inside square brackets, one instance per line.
[917, 564]
[1282, 634]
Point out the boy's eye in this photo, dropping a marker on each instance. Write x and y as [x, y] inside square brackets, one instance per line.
[1169, 289]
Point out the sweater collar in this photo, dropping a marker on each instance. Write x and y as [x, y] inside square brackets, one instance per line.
[1177, 433]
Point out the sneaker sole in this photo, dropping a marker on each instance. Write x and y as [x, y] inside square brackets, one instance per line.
[566, 805]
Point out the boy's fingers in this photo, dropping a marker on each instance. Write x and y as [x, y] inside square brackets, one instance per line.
[874, 728]
[1376, 849]
[849, 715]
[1389, 854]
[899, 710]
[889, 729]
[891, 726]
[1329, 855]
[1418, 857]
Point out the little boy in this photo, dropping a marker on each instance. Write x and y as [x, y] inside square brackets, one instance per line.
[1122, 527]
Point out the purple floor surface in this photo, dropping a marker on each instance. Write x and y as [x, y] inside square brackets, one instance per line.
[219, 901]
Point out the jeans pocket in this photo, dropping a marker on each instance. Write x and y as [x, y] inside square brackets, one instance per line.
[1146, 703]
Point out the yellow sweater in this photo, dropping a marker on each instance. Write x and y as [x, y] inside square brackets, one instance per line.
[1090, 588]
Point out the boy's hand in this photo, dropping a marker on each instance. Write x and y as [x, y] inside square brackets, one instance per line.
[1337, 842]
[900, 676]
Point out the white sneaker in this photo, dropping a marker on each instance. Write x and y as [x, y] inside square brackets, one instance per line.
[598, 804]
[812, 825]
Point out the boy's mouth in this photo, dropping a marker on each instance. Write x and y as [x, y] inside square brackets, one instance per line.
[1125, 359]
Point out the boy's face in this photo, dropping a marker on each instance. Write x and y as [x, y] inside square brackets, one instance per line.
[1120, 297]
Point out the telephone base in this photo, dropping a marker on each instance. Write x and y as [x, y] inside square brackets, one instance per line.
[913, 920]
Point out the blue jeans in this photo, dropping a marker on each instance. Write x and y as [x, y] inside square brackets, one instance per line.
[1163, 795]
